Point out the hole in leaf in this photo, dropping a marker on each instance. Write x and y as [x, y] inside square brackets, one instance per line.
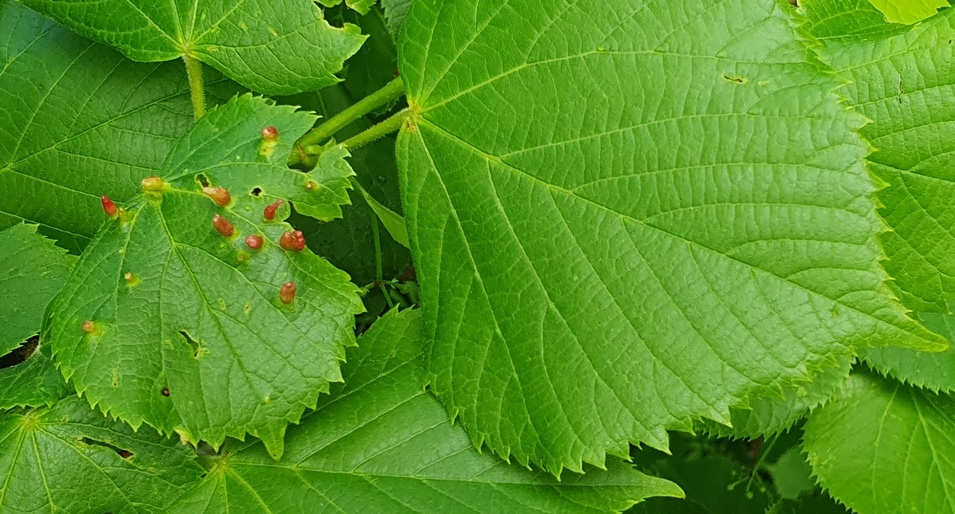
[203, 180]
[21, 354]
[257, 191]
[196, 349]
[119, 451]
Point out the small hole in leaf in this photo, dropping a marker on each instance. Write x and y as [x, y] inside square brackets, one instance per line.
[257, 191]
[191, 342]
[202, 180]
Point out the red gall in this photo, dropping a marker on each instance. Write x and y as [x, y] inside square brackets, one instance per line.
[223, 225]
[109, 207]
[219, 195]
[287, 293]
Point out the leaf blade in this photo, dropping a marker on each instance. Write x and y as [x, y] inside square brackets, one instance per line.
[383, 444]
[542, 192]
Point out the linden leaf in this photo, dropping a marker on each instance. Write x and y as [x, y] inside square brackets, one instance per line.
[69, 458]
[77, 121]
[627, 216]
[188, 329]
[885, 448]
[32, 272]
[383, 444]
[273, 46]
[903, 79]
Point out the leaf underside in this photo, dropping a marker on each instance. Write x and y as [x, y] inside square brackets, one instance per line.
[884, 447]
[382, 444]
[196, 340]
[272, 46]
[77, 121]
[626, 216]
[68, 459]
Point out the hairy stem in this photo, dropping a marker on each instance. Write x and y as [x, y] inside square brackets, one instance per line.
[196, 86]
[378, 131]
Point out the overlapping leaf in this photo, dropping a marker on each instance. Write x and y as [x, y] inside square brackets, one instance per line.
[189, 331]
[909, 11]
[70, 459]
[382, 444]
[902, 79]
[32, 272]
[77, 121]
[272, 46]
[629, 215]
[774, 414]
[885, 448]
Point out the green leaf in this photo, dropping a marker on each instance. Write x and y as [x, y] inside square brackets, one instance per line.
[934, 371]
[383, 444]
[362, 6]
[792, 475]
[626, 216]
[395, 12]
[32, 272]
[771, 415]
[392, 221]
[34, 382]
[273, 46]
[909, 11]
[190, 333]
[67, 459]
[885, 447]
[902, 78]
[78, 121]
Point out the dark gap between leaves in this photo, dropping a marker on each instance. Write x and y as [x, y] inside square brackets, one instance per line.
[20, 354]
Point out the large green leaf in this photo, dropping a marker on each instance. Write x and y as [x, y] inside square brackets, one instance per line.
[189, 333]
[272, 46]
[902, 79]
[908, 11]
[626, 216]
[885, 448]
[70, 459]
[78, 121]
[32, 272]
[383, 444]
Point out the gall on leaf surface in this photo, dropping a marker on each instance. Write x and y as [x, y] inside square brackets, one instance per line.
[903, 79]
[78, 121]
[627, 216]
[201, 344]
[883, 447]
[381, 443]
[276, 47]
[68, 458]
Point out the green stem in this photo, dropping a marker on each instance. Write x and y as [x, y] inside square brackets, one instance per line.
[379, 275]
[378, 131]
[322, 133]
[196, 87]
